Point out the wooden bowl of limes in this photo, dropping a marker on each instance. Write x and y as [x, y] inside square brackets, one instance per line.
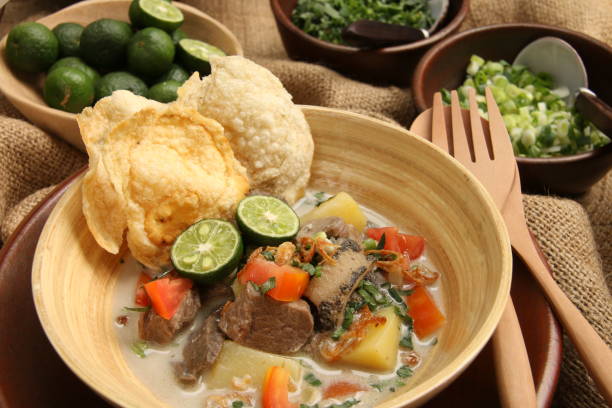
[25, 89]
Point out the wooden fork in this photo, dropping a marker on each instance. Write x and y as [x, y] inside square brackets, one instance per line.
[595, 354]
[496, 173]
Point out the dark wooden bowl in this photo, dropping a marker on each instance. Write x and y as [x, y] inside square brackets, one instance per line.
[384, 65]
[443, 66]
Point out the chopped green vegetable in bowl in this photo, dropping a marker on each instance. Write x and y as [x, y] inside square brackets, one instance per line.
[539, 122]
[325, 19]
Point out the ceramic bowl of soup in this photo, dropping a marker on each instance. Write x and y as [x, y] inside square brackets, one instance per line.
[396, 177]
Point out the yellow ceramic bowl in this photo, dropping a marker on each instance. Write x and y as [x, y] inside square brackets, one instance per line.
[390, 170]
[25, 91]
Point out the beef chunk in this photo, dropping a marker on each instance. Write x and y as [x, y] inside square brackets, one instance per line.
[331, 291]
[334, 227]
[153, 327]
[258, 321]
[201, 350]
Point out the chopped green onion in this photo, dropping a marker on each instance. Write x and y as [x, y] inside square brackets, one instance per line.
[139, 348]
[537, 118]
[268, 285]
[312, 380]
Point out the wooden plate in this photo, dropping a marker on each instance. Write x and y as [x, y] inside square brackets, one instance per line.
[39, 378]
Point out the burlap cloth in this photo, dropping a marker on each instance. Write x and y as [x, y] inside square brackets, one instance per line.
[574, 234]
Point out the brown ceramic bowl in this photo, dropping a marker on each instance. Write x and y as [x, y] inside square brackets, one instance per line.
[389, 64]
[444, 67]
[25, 91]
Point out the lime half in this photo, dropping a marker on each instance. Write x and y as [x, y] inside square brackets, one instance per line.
[195, 55]
[267, 220]
[159, 13]
[207, 251]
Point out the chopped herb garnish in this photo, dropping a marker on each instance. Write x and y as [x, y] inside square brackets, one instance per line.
[396, 295]
[406, 341]
[325, 19]
[368, 299]
[139, 348]
[268, 285]
[318, 271]
[349, 313]
[237, 404]
[136, 309]
[378, 386]
[269, 255]
[373, 291]
[338, 333]
[404, 372]
[312, 380]
[381, 242]
[402, 312]
[320, 198]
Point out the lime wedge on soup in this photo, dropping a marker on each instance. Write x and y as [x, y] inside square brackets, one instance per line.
[207, 251]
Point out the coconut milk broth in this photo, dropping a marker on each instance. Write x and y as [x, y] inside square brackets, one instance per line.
[156, 369]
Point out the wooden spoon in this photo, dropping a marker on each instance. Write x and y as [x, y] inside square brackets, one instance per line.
[375, 34]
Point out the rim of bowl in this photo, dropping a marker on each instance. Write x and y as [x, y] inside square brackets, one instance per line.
[72, 116]
[437, 36]
[425, 62]
[431, 386]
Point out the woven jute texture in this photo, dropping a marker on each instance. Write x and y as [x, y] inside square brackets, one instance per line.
[574, 234]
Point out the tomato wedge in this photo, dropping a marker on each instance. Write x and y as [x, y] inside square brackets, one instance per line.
[423, 310]
[141, 298]
[411, 245]
[166, 294]
[291, 282]
[276, 388]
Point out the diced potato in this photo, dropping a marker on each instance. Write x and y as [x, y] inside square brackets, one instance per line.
[341, 205]
[237, 361]
[378, 350]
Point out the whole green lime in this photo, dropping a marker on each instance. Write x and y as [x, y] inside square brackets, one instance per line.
[115, 81]
[76, 62]
[175, 73]
[150, 52]
[164, 91]
[68, 89]
[104, 42]
[69, 37]
[31, 47]
[177, 35]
